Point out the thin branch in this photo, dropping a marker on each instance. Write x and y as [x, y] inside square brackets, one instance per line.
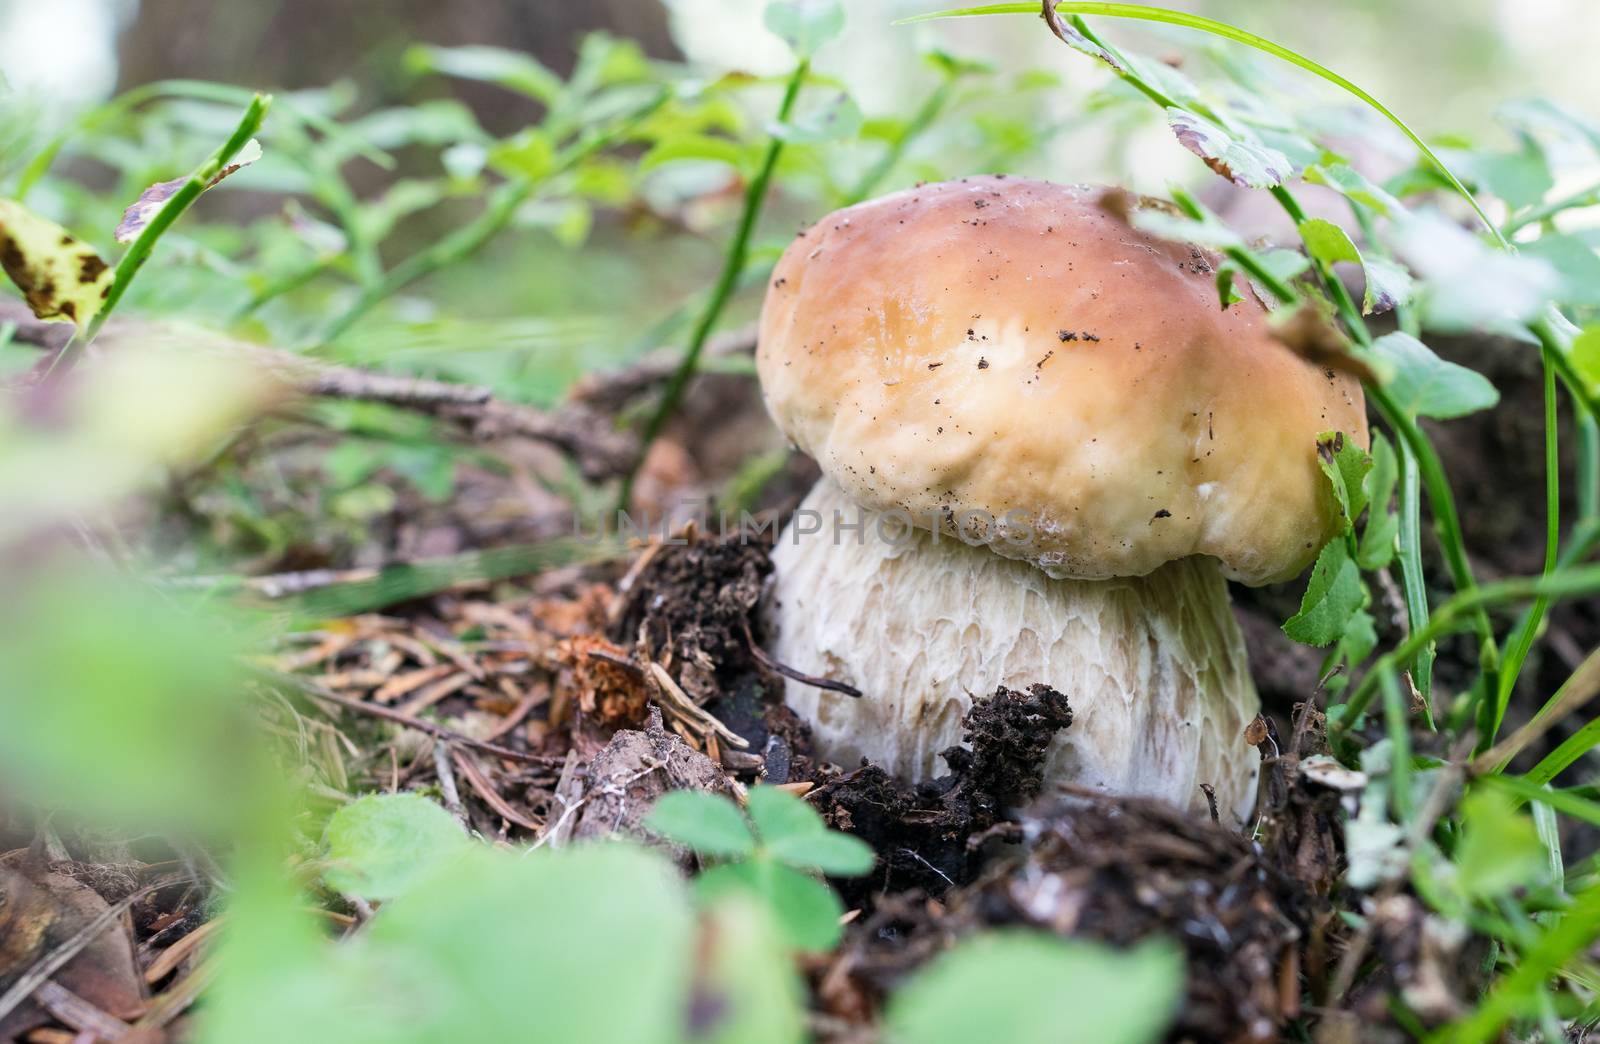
[311, 689]
[589, 437]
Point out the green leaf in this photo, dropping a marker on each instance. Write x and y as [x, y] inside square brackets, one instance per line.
[706, 822]
[804, 908]
[1586, 356]
[588, 943]
[381, 845]
[1328, 242]
[1346, 464]
[1519, 178]
[832, 853]
[1468, 284]
[1354, 186]
[1500, 849]
[794, 833]
[805, 25]
[746, 978]
[1332, 597]
[955, 66]
[778, 814]
[1575, 262]
[1425, 385]
[1377, 547]
[513, 70]
[1360, 637]
[60, 276]
[1028, 988]
[1241, 161]
[530, 155]
[1208, 230]
[1389, 284]
[695, 147]
[837, 117]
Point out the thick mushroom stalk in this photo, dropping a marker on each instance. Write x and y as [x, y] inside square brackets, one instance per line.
[921, 623]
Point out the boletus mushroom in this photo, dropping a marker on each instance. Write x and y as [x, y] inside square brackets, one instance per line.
[1044, 448]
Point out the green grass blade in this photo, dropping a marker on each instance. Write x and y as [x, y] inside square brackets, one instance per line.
[1574, 747]
[1228, 32]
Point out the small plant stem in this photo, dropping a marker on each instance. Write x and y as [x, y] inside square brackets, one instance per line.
[1397, 719]
[457, 245]
[137, 254]
[1588, 465]
[732, 268]
[924, 118]
[334, 193]
[1588, 197]
[1455, 615]
[469, 238]
[1409, 505]
[285, 284]
[1521, 642]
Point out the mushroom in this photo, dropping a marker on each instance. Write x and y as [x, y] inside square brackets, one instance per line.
[1044, 447]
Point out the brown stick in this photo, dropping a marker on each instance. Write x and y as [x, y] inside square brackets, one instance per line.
[765, 660]
[588, 436]
[315, 691]
[491, 797]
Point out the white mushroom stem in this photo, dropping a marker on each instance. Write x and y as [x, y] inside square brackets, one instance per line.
[1154, 666]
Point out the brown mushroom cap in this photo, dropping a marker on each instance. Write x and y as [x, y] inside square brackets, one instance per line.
[1003, 358]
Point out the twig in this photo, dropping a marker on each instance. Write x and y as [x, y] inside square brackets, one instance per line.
[78, 1013]
[481, 785]
[447, 783]
[688, 710]
[610, 390]
[599, 449]
[771, 664]
[317, 692]
[177, 998]
[168, 960]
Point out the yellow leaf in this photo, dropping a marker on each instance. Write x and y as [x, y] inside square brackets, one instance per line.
[60, 276]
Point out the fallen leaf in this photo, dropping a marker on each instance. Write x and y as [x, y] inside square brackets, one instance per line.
[60, 276]
[152, 199]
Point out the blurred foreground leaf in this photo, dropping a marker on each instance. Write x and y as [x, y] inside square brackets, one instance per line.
[1033, 989]
[382, 844]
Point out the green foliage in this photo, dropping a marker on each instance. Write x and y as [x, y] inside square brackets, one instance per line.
[1033, 989]
[1425, 385]
[381, 845]
[805, 25]
[121, 703]
[1500, 850]
[450, 958]
[709, 824]
[1333, 596]
[784, 842]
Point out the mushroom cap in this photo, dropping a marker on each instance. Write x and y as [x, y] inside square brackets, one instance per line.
[1004, 359]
